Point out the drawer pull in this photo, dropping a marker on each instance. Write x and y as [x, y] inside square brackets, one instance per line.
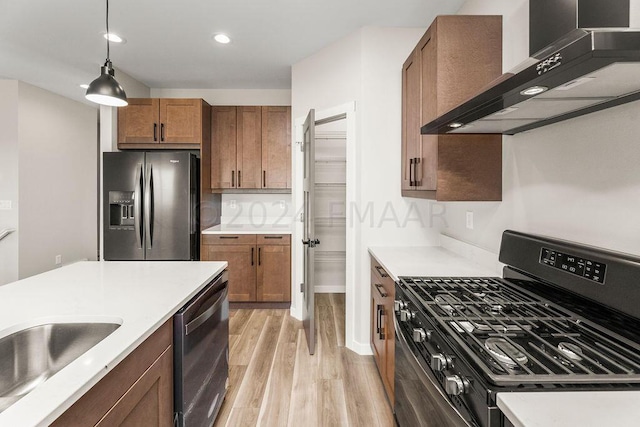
[228, 237]
[273, 237]
[381, 292]
[381, 271]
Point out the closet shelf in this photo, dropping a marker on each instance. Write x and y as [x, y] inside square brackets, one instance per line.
[330, 256]
[330, 221]
[331, 184]
[332, 161]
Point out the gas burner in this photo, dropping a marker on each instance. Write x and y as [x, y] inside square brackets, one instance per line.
[449, 303]
[572, 351]
[497, 309]
[511, 355]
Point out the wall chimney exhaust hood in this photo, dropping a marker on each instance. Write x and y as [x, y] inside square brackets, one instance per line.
[585, 59]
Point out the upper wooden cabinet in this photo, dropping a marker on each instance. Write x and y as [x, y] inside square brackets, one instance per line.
[456, 57]
[251, 148]
[163, 123]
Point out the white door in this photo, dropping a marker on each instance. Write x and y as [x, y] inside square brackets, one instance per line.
[309, 240]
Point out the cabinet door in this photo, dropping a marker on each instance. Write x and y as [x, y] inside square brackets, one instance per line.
[149, 401]
[427, 167]
[223, 147]
[410, 120]
[276, 147]
[274, 273]
[138, 122]
[377, 327]
[181, 121]
[242, 269]
[249, 146]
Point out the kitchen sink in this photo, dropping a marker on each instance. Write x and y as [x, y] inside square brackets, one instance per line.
[30, 356]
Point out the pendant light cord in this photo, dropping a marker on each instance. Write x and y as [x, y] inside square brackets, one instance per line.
[107, 30]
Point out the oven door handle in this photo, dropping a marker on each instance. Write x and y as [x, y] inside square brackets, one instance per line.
[206, 315]
[400, 339]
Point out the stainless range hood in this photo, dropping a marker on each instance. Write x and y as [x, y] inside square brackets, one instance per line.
[593, 64]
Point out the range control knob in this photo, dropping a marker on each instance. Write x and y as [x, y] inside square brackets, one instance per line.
[420, 335]
[456, 385]
[440, 362]
[407, 315]
[399, 305]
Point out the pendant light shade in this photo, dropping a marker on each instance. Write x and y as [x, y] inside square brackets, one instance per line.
[106, 90]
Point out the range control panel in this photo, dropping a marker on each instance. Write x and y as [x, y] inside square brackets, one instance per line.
[575, 265]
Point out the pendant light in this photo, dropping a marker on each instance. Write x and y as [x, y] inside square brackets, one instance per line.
[105, 89]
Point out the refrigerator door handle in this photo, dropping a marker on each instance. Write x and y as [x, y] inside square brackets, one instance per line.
[148, 206]
[137, 206]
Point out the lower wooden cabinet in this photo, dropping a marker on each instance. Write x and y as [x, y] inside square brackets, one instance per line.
[137, 392]
[259, 265]
[382, 328]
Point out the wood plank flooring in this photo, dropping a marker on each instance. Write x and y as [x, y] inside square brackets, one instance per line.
[275, 382]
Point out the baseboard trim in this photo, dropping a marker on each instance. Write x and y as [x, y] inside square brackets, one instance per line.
[360, 348]
[258, 305]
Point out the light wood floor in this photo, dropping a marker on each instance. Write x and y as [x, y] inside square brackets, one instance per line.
[275, 382]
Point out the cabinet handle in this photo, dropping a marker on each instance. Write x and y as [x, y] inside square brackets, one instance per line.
[381, 271]
[155, 131]
[382, 315]
[272, 237]
[411, 172]
[233, 179]
[416, 162]
[259, 256]
[161, 132]
[382, 294]
[239, 179]
[252, 256]
[264, 179]
[379, 330]
[228, 237]
[378, 320]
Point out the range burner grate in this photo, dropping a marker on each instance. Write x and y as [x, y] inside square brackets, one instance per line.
[516, 337]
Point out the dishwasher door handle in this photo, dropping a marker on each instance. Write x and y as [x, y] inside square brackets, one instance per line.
[206, 315]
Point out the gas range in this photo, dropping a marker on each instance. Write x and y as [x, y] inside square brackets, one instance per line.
[538, 328]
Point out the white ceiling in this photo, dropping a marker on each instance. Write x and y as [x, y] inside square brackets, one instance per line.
[58, 45]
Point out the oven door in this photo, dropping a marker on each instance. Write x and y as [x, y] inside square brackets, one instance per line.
[419, 399]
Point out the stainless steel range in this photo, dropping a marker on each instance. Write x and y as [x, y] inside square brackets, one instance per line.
[564, 317]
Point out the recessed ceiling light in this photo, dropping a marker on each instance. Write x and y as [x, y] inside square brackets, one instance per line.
[84, 86]
[222, 38]
[455, 125]
[534, 90]
[113, 38]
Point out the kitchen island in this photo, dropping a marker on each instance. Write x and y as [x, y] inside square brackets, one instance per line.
[140, 296]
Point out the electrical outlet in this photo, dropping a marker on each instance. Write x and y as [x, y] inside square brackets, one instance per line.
[470, 220]
[58, 259]
[5, 205]
[282, 205]
[232, 204]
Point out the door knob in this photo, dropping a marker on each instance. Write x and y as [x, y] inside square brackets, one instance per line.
[311, 242]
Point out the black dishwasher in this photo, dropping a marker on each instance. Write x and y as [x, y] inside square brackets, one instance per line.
[201, 355]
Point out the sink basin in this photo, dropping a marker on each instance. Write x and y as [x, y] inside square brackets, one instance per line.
[30, 356]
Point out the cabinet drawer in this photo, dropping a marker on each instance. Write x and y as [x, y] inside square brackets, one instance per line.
[383, 278]
[228, 239]
[274, 239]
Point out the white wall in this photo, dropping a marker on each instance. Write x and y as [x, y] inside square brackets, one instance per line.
[50, 149]
[365, 67]
[576, 180]
[9, 178]
[229, 96]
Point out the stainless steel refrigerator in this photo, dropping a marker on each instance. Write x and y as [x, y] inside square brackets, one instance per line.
[151, 202]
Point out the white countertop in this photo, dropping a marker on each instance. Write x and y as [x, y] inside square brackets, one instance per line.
[568, 409]
[139, 295]
[249, 229]
[433, 261]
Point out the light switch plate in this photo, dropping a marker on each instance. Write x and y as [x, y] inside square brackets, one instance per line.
[5, 205]
[470, 220]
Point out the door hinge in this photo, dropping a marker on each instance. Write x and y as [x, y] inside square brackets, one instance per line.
[301, 144]
[302, 287]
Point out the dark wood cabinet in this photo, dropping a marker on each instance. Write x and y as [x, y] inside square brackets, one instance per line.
[138, 391]
[456, 57]
[276, 147]
[259, 265]
[252, 147]
[148, 123]
[382, 327]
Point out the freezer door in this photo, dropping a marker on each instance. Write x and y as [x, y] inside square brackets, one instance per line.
[168, 206]
[122, 206]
